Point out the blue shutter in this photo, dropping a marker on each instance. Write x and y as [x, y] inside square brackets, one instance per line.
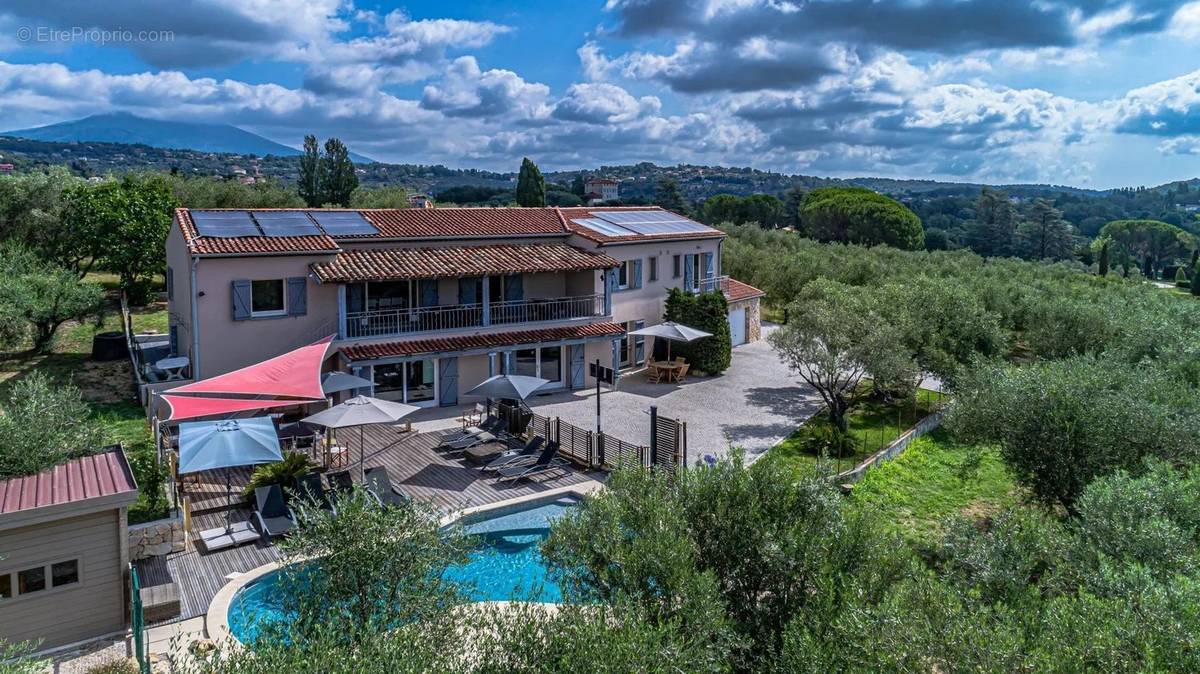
[508, 362]
[466, 290]
[688, 261]
[240, 290]
[448, 381]
[297, 296]
[170, 284]
[636, 282]
[639, 344]
[429, 292]
[575, 355]
[174, 337]
[514, 288]
[616, 356]
[708, 264]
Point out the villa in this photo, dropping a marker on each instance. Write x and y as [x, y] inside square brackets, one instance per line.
[426, 303]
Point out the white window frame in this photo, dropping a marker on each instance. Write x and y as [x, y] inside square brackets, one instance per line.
[626, 268]
[47, 570]
[283, 293]
[562, 363]
[676, 266]
[652, 273]
[403, 390]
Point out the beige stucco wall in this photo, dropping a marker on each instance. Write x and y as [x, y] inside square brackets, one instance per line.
[179, 307]
[646, 303]
[226, 344]
[93, 607]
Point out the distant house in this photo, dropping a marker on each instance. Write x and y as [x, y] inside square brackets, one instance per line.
[601, 189]
[6, 168]
[64, 551]
[420, 201]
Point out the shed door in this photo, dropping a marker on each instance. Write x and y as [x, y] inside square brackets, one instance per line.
[737, 326]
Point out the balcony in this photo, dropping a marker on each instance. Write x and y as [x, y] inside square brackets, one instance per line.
[710, 284]
[391, 322]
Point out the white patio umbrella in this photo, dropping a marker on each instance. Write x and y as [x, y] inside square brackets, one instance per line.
[361, 411]
[209, 445]
[672, 332]
[334, 382]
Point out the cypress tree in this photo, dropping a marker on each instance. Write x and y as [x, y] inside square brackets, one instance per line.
[339, 177]
[1196, 280]
[1104, 259]
[531, 186]
[309, 185]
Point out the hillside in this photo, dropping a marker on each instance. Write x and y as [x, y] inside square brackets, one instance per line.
[120, 127]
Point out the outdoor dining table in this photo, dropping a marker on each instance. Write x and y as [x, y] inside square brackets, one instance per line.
[173, 367]
[668, 367]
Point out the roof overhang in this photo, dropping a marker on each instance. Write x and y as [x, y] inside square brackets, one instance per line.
[476, 344]
[382, 264]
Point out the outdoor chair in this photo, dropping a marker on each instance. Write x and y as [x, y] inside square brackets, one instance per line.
[654, 373]
[341, 482]
[548, 461]
[682, 372]
[308, 488]
[274, 518]
[386, 492]
[519, 456]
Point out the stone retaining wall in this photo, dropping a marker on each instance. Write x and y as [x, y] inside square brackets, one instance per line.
[894, 448]
[156, 538]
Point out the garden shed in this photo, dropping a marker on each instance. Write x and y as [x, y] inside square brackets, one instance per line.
[64, 555]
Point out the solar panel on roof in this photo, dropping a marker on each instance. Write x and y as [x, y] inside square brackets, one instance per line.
[285, 223]
[224, 224]
[343, 223]
[604, 227]
[651, 222]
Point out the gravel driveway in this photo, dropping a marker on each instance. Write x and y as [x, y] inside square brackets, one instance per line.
[754, 405]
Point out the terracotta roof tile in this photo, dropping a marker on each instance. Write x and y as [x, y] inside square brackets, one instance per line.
[400, 263]
[736, 291]
[487, 340]
[75, 481]
[249, 245]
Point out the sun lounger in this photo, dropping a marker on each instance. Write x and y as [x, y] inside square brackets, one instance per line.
[471, 441]
[489, 425]
[380, 484]
[274, 518]
[547, 462]
[341, 481]
[310, 490]
[522, 455]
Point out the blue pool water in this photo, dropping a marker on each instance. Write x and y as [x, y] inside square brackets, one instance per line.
[504, 565]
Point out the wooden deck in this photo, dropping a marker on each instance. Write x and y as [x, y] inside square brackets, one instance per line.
[413, 462]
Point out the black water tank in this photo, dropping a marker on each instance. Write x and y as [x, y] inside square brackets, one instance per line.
[109, 346]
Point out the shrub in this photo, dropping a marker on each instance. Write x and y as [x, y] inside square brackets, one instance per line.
[1181, 278]
[282, 473]
[114, 666]
[44, 423]
[710, 313]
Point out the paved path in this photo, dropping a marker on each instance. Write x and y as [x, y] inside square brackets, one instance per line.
[756, 403]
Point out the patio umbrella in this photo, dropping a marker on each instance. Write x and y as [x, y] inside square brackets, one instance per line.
[333, 382]
[672, 332]
[361, 411]
[210, 445]
[511, 386]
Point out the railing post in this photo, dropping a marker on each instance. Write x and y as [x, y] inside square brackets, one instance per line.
[487, 307]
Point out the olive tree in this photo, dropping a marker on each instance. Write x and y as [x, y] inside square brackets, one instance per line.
[44, 423]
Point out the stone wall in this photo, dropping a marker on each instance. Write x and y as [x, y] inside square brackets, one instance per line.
[156, 538]
[893, 449]
[753, 318]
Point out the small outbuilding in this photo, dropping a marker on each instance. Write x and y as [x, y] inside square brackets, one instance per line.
[64, 555]
[745, 318]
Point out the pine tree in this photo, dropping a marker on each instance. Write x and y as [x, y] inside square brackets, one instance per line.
[531, 186]
[577, 185]
[668, 196]
[340, 181]
[1104, 259]
[309, 185]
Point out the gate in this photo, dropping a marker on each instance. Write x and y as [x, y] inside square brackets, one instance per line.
[670, 444]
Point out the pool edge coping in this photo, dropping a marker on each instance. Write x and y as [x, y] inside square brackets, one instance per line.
[216, 620]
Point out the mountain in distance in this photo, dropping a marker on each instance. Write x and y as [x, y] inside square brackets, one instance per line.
[123, 127]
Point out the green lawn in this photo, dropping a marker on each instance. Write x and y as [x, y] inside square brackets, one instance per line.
[872, 425]
[916, 491]
[106, 387]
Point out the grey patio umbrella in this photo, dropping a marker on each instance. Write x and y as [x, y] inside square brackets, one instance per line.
[333, 382]
[511, 386]
[361, 411]
[672, 332]
[209, 445]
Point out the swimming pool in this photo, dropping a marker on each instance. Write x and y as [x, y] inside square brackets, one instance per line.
[505, 565]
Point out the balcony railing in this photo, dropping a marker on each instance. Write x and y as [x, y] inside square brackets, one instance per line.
[707, 285]
[386, 322]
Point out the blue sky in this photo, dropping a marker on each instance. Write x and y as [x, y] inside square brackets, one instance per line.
[1097, 93]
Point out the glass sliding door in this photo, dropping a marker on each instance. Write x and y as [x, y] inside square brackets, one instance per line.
[525, 361]
[414, 383]
[419, 382]
[551, 364]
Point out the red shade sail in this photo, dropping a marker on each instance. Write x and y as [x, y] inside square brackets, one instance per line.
[295, 374]
[188, 407]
